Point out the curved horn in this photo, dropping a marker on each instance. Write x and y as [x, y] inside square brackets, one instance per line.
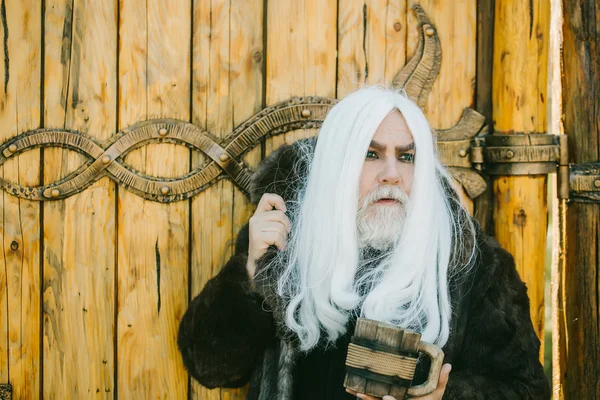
[418, 75]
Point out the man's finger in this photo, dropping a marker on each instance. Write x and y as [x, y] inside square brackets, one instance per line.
[444, 375]
[277, 216]
[268, 201]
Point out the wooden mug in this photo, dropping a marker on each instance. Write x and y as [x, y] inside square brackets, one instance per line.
[382, 359]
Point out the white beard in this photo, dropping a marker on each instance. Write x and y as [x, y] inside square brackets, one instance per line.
[380, 225]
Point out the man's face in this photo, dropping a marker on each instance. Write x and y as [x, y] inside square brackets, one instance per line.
[385, 183]
[390, 158]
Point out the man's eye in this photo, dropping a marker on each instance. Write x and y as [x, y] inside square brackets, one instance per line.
[407, 157]
[371, 155]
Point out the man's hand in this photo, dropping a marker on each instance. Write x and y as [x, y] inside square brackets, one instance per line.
[268, 226]
[437, 394]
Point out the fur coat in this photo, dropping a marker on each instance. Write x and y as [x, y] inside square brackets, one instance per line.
[230, 335]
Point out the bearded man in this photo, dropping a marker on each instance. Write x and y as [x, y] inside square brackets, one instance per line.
[361, 222]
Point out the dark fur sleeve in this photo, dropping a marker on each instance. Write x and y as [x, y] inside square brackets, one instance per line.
[500, 349]
[225, 330]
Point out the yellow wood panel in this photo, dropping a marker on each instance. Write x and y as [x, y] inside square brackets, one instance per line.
[371, 43]
[521, 37]
[79, 232]
[454, 88]
[19, 218]
[154, 82]
[227, 82]
[301, 54]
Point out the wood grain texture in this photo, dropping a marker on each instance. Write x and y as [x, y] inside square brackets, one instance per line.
[521, 34]
[154, 82]
[454, 88]
[20, 219]
[79, 232]
[371, 43]
[301, 55]
[227, 90]
[579, 290]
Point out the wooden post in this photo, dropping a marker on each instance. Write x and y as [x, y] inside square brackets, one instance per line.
[20, 219]
[521, 36]
[579, 288]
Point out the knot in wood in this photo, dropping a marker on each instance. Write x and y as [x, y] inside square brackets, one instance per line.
[14, 245]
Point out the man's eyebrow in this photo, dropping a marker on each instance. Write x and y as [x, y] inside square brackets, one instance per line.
[379, 146]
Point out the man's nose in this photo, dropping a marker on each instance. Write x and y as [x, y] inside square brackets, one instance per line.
[391, 174]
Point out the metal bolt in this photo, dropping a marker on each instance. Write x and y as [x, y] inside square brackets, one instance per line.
[14, 245]
[162, 132]
[306, 113]
[597, 183]
[12, 148]
[397, 26]
[510, 154]
[428, 30]
[55, 192]
[105, 159]
[223, 157]
[164, 190]
[462, 153]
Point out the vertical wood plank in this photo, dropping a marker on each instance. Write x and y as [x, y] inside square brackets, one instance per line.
[521, 36]
[371, 43]
[20, 219]
[79, 232]
[580, 284]
[227, 89]
[301, 54]
[454, 88]
[154, 82]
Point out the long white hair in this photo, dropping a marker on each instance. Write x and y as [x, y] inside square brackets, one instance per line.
[408, 285]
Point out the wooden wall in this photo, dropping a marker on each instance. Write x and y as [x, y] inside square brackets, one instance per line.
[92, 287]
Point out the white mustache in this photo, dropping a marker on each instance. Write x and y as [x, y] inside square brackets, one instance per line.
[385, 192]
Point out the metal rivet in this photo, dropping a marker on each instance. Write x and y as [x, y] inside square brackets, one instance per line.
[306, 113]
[257, 56]
[106, 159]
[164, 190]
[510, 154]
[12, 148]
[223, 157]
[55, 192]
[462, 153]
[397, 26]
[14, 245]
[162, 132]
[597, 183]
[429, 31]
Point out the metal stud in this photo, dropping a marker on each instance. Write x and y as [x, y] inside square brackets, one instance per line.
[597, 183]
[105, 159]
[55, 193]
[462, 153]
[223, 157]
[429, 31]
[162, 131]
[510, 154]
[164, 190]
[306, 113]
[12, 148]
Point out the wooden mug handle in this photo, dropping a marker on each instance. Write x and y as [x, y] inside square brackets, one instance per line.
[437, 360]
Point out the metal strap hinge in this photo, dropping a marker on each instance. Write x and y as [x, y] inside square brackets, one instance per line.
[5, 391]
[537, 154]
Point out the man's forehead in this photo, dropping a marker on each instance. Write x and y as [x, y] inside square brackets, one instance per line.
[393, 131]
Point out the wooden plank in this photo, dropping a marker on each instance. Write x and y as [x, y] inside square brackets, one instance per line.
[301, 55]
[454, 88]
[483, 204]
[20, 219]
[154, 82]
[79, 232]
[371, 43]
[521, 32]
[579, 293]
[227, 90]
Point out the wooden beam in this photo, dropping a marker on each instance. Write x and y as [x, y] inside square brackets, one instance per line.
[579, 290]
[519, 93]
